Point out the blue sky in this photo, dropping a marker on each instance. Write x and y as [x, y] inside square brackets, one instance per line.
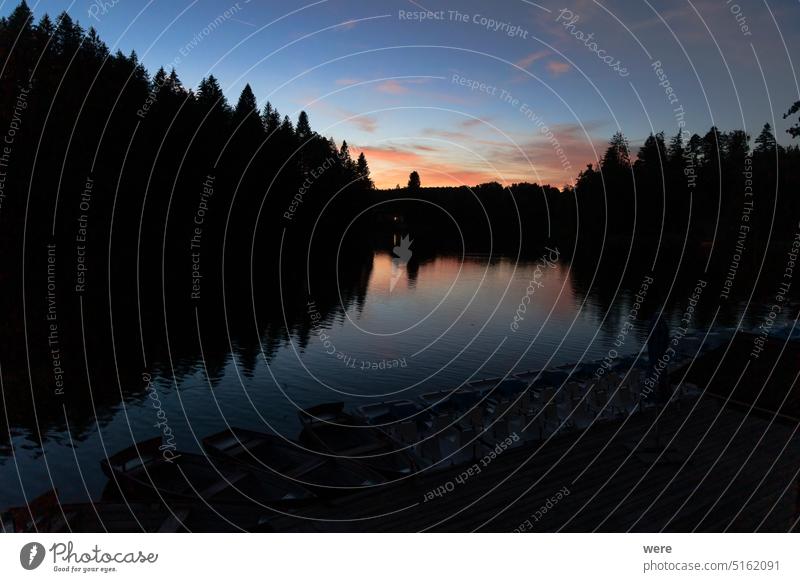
[396, 88]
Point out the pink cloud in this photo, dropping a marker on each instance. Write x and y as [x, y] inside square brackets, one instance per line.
[445, 134]
[532, 58]
[558, 67]
[365, 123]
[391, 165]
[392, 87]
[348, 25]
[534, 158]
[467, 123]
[389, 154]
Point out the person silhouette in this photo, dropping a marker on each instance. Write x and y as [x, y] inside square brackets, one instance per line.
[402, 255]
[657, 345]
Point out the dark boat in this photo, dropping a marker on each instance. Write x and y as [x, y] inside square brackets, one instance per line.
[144, 473]
[326, 476]
[328, 429]
[391, 411]
[46, 515]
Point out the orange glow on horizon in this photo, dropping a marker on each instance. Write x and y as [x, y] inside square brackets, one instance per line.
[390, 167]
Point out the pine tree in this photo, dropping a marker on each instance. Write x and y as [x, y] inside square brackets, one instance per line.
[19, 33]
[362, 168]
[45, 29]
[303, 129]
[20, 21]
[675, 150]
[713, 146]
[160, 78]
[287, 140]
[247, 105]
[765, 142]
[174, 83]
[652, 154]
[694, 148]
[210, 96]
[617, 154]
[794, 131]
[271, 119]
[738, 145]
[414, 182]
[67, 37]
[246, 119]
[344, 156]
[247, 125]
[286, 126]
[93, 43]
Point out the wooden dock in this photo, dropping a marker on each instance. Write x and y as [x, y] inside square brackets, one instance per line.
[731, 471]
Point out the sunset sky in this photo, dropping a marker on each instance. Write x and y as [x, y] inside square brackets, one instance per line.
[399, 89]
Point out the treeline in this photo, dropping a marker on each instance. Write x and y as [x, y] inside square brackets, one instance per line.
[693, 188]
[483, 218]
[700, 187]
[133, 202]
[118, 168]
[97, 140]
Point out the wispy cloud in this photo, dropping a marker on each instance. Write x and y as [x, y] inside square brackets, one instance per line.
[468, 123]
[527, 61]
[558, 67]
[445, 134]
[399, 86]
[391, 154]
[534, 157]
[392, 88]
[391, 164]
[242, 21]
[347, 25]
[365, 123]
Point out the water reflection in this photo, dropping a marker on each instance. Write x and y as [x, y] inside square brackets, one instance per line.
[384, 324]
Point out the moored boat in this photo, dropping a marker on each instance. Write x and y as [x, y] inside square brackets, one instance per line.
[328, 429]
[46, 514]
[389, 411]
[142, 472]
[326, 476]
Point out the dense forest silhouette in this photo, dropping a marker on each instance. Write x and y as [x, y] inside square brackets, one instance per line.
[133, 205]
[141, 213]
[686, 187]
[151, 149]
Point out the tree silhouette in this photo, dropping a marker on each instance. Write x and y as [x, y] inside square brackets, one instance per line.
[246, 107]
[414, 181]
[303, 128]
[794, 131]
[347, 161]
[152, 147]
[362, 169]
[765, 142]
[675, 150]
[271, 119]
[617, 153]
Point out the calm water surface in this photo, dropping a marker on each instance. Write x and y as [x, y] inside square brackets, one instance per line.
[443, 323]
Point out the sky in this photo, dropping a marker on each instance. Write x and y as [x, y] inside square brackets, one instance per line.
[477, 91]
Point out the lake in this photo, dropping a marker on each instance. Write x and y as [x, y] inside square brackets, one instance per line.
[395, 329]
